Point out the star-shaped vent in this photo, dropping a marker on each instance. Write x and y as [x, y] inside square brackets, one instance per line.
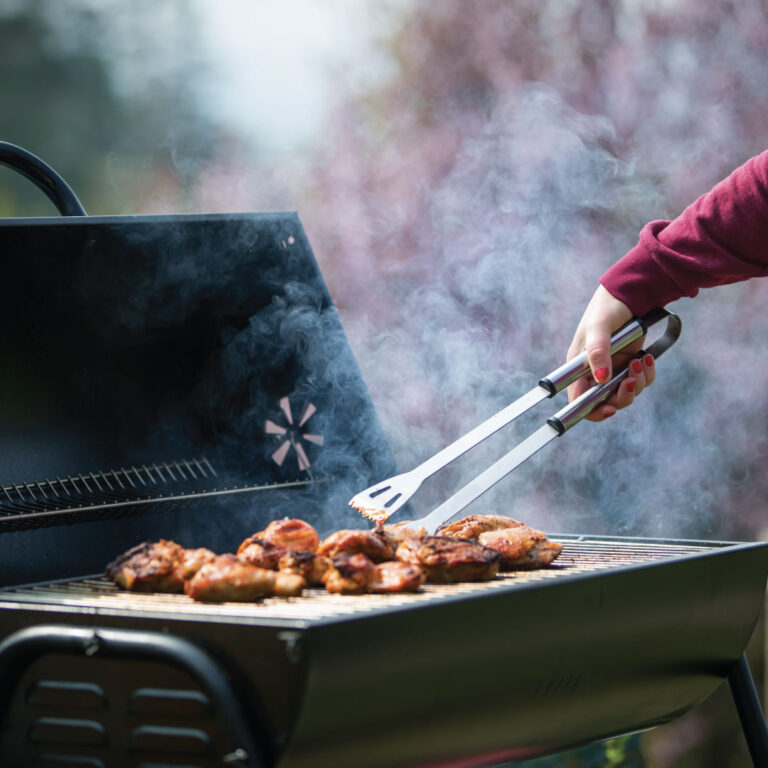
[293, 435]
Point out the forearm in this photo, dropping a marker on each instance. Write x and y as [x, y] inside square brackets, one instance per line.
[721, 238]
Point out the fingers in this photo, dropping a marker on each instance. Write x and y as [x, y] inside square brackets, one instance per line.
[641, 374]
[604, 315]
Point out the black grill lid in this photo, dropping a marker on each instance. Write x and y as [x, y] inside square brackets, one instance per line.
[140, 350]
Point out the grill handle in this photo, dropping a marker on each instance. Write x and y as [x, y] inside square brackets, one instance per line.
[19, 650]
[582, 406]
[42, 175]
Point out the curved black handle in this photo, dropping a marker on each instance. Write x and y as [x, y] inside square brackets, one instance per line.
[41, 174]
[19, 650]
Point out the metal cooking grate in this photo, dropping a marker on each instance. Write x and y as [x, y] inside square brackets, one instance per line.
[98, 595]
[114, 493]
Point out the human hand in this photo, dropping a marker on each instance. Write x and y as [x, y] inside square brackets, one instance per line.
[604, 316]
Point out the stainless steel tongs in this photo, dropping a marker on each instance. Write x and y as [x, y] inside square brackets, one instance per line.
[382, 500]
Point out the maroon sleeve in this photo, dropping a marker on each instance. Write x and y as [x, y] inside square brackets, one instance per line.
[721, 238]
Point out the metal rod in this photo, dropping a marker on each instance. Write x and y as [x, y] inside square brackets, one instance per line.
[750, 713]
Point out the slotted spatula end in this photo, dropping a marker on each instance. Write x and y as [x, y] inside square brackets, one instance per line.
[376, 514]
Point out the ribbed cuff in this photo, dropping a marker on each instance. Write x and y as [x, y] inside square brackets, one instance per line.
[638, 280]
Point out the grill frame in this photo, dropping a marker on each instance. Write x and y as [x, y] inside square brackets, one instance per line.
[389, 687]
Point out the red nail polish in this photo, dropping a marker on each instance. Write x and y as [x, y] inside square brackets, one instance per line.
[608, 415]
[631, 384]
[648, 360]
[636, 366]
[601, 374]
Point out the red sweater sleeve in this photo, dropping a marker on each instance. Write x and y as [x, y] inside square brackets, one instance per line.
[721, 238]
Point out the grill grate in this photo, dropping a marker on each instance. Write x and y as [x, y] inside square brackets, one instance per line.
[115, 493]
[95, 594]
[110, 487]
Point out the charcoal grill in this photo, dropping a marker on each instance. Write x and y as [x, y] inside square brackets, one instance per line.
[187, 377]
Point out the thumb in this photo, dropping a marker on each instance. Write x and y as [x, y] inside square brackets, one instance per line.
[598, 346]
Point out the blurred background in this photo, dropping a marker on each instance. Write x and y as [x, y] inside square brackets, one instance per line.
[465, 172]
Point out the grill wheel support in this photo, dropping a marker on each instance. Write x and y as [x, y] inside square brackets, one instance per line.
[22, 648]
[750, 712]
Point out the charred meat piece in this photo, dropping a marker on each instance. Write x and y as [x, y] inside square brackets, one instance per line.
[521, 548]
[290, 535]
[446, 560]
[396, 576]
[148, 567]
[192, 560]
[309, 565]
[349, 574]
[354, 542]
[472, 526]
[230, 579]
[397, 533]
[259, 552]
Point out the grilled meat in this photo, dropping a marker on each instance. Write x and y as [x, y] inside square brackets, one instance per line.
[396, 576]
[259, 552]
[349, 574]
[472, 526]
[397, 533]
[266, 547]
[149, 567]
[353, 542]
[521, 548]
[229, 579]
[309, 565]
[446, 560]
[192, 560]
[290, 535]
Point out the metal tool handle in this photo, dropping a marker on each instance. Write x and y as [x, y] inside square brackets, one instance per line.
[582, 406]
[575, 368]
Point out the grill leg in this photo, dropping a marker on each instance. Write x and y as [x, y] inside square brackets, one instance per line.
[750, 712]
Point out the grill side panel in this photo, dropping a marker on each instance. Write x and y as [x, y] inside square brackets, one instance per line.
[514, 676]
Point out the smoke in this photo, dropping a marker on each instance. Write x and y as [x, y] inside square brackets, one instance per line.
[519, 231]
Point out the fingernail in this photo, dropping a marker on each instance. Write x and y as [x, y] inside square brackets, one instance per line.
[608, 415]
[601, 374]
[631, 384]
[648, 360]
[636, 366]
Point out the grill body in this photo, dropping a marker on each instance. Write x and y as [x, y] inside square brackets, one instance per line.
[188, 377]
[624, 635]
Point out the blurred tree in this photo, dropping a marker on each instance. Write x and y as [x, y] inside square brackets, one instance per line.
[106, 96]
[463, 211]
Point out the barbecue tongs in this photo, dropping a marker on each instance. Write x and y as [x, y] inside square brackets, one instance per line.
[383, 499]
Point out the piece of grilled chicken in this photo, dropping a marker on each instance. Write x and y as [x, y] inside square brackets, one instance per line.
[349, 574]
[397, 533]
[290, 535]
[521, 548]
[266, 547]
[357, 542]
[396, 576]
[446, 560]
[311, 566]
[192, 560]
[152, 566]
[472, 526]
[260, 553]
[229, 579]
